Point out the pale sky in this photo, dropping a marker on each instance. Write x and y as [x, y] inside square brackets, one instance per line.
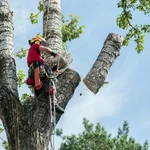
[126, 97]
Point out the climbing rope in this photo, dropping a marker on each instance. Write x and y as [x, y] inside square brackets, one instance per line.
[54, 114]
[50, 122]
[51, 114]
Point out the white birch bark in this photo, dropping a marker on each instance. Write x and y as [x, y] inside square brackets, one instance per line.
[52, 32]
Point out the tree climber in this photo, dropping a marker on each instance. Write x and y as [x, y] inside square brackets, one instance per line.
[35, 62]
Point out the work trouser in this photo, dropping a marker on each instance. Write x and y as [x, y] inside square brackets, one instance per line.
[43, 70]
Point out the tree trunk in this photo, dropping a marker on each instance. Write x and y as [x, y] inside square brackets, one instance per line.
[8, 79]
[26, 124]
[52, 32]
[97, 75]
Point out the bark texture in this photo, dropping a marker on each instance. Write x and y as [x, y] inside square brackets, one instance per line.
[26, 124]
[52, 32]
[97, 75]
[8, 80]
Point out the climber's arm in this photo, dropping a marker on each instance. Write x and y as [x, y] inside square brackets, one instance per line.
[47, 50]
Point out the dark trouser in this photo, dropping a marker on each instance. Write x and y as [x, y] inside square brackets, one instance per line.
[44, 68]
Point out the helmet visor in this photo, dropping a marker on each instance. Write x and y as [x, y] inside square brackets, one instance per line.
[44, 43]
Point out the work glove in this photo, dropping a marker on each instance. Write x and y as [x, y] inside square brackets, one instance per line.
[53, 54]
[54, 68]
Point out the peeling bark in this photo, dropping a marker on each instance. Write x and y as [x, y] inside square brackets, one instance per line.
[97, 75]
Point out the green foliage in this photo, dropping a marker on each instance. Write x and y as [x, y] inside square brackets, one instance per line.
[34, 17]
[97, 138]
[1, 128]
[20, 77]
[22, 53]
[21, 80]
[70, 29]
[24, 97]
[5, 145]
[59, 132]
[40, 7]
[126, 17]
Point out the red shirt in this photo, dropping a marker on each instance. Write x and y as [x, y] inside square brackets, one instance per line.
[34, 54]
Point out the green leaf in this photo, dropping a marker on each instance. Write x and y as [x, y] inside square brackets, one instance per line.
[22, 53]
[34, 18]
[20, 77]
[59, 132]
[1, 128]
[124, 21]
[24, 97]
[70, 29]
[5, 145]
[40, 7]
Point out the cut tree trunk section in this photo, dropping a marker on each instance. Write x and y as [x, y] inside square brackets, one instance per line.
[94, 80]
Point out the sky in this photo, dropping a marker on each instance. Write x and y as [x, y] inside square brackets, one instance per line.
[127, 95]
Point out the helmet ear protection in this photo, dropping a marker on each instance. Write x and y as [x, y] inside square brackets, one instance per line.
[29, 42]
[38, 40]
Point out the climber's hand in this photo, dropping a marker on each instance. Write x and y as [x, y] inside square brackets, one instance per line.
[57, 72]
[53, 54]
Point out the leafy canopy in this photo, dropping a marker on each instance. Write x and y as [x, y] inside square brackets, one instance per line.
[97, 138]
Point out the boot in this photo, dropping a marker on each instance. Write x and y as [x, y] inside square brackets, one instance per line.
[58, 109]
